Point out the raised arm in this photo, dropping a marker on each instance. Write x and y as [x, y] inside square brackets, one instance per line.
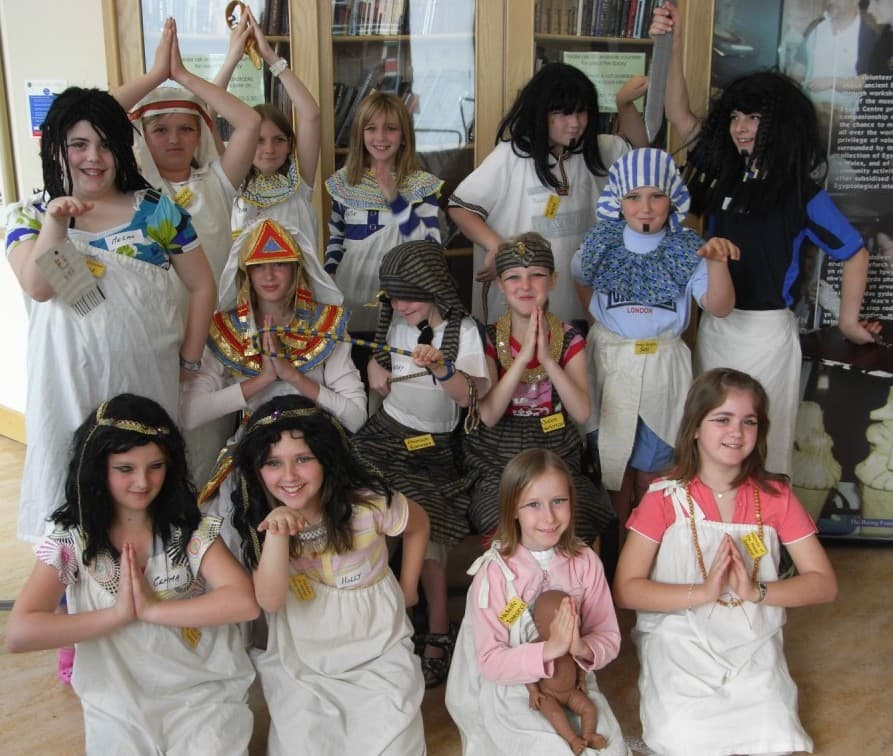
[308, 130]
[629, 119]
[272, 573]
[130, 93]
[237, 158]
[668, 19]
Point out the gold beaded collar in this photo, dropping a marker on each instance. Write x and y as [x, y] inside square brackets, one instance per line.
[504, 346]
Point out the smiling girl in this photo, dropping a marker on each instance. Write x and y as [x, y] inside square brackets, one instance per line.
[700, 566]
[338, 671]
[380, 199]
[498, 651]
[151, 593]
[540, 388]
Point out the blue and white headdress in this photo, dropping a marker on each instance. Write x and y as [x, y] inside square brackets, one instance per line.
[644, 167]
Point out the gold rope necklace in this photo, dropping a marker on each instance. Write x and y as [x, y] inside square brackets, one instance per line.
[504, 346]
[700, 556]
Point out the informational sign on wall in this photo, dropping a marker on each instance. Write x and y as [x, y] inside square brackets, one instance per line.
[40, 95]
[608, 71]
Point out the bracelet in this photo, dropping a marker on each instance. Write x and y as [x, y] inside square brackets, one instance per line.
[190, 365]
[761, 587]
[688, 602]
[278, 67]
[450, 372]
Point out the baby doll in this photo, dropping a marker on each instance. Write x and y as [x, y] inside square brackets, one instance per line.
[566, 687]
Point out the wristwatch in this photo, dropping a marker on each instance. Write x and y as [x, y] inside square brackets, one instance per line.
[190, 365]
[761, 587]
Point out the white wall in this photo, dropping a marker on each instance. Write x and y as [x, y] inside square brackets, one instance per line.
[42, 39]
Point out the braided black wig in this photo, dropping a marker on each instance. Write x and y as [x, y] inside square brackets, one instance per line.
[556, 87]
[786, 154]
[108, 118]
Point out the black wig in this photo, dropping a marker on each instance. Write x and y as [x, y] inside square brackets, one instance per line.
[108, 118]
[786, 153]
[346, 481]
[556, 87]
[115, 427]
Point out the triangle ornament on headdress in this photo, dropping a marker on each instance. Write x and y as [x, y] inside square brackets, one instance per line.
[271, 246]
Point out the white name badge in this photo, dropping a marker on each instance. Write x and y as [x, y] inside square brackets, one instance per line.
[349, 581]
[125, 239]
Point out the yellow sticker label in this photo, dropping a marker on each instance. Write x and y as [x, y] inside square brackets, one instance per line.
[302, 588]
[184, 196]
[414, 443]
[646, 346]
[552, 422]
[96, 268]
[192, 635]
[754, 545]
[552, 206]
[512, 612]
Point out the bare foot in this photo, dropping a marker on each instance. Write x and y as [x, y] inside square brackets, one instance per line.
[596, 741]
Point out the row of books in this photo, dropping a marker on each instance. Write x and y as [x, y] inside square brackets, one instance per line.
[391, 17]
[594, 18]
[273, 18]
[347, 99]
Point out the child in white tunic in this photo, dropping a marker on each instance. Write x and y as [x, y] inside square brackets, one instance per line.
[338, 673]
[700, 565]
[151, 591]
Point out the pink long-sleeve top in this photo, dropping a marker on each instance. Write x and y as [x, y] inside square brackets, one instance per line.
[581, 576]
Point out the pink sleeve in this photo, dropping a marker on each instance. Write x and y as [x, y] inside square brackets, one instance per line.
[652, 516]
[598, 620]
[795, 521]
[498, 661]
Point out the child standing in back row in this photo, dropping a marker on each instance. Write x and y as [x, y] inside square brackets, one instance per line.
[644, 268]
[380, 199]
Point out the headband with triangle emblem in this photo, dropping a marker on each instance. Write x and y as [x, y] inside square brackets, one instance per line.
[270, 245]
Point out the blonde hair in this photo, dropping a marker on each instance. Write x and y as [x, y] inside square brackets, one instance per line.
[522, 470]
[393, 108]
[151, 120]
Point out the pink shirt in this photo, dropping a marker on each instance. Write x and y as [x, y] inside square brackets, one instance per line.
[581, 577]
[780, 511]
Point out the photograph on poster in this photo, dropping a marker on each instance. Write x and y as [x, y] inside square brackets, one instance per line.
[841, 53]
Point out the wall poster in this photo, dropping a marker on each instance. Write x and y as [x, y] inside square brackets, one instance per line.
[841, 51]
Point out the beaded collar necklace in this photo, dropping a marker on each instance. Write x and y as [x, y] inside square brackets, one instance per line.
[731, 603]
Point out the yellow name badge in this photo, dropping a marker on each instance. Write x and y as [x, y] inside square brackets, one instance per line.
[512, 612]
[96, 268]
[302, 588]
[552, 422]
[414, 443]
[192, 635]
[552, 206]
[646, 346]
[184, 196]
[754, 545]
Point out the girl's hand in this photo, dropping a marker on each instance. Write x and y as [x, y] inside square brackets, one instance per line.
[427, 356]
[543, 355]
[378, 378]
[534, 696]
[63, 208]
[862, 331]
[125, 609]
[282, 368]
[530, 346]
[178, 70]
[664, 20]
[488, 272]
[716, 577]
[739, 578]
[161, 64]
[260, 39]
[561, 632]
[410, 595]
[719, 249]
[282, 521]
[144, 597]
[387, 182]
[632, 89]
[578, 648]
[239, 35]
